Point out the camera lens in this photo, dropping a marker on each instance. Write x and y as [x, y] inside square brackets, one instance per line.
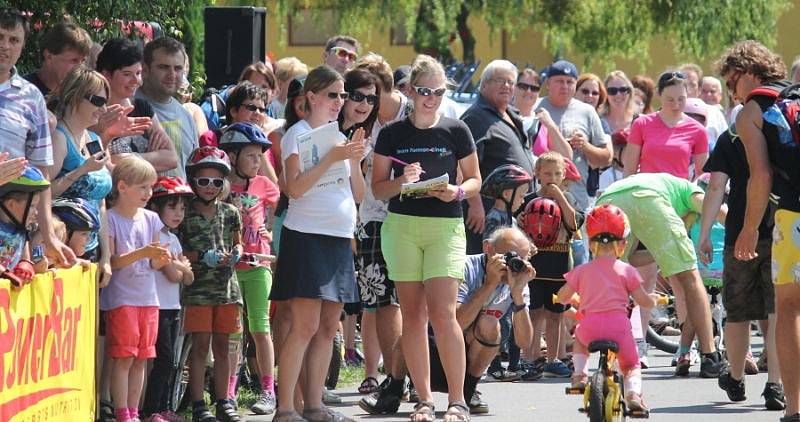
[514, 262]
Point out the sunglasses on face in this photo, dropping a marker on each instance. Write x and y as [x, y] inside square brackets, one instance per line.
[528, 87]
[335, 95]
[427, 92]
[203, 182]
[621, 90]
[97, 100]
[358, 97]
[344, 53]
[589, 92]
[253, 108]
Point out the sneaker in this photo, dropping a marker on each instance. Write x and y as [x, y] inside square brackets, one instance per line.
[735, 389]
[478, 406]
[773, 396]
[683, 364]
[381, 402]
[351, 358]
[155, 417]
[226, 412]
[750, 366]
[504, 375]
[531, 372]
[328, 398]
[557, 369]
[171, 416]
[694, 355]
[265, 405]
[635, 403]
[711, 365]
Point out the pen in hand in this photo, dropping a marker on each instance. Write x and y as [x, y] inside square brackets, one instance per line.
[399, 161]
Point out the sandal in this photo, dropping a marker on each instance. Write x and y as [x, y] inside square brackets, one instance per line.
[288, 416]
[457, 412]
[425, 409]
[368, 386]
[325, 414]
[106, 413]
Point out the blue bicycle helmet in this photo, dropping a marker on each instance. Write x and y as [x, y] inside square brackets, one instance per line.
[239, 135]
[77, 214]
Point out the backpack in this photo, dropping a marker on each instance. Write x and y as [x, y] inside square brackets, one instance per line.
[780, 106]
[213, 105]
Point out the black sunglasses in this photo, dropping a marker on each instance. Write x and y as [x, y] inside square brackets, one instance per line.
[254, 108]
[621, 90]
[358, 97]
[528, 87]
[335, 95]
[205, 181]
[668, 76]
[587, 91]
[427, 92]
[96, 100]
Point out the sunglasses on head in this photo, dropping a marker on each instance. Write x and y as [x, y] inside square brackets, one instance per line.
[335, 95]
[427, 92]
[618, 90]
[528, 87]
[253, 108]
[344, 53]
[358, 97]
[97, 100]
[668, 76]
[217, 182]
[587, 91]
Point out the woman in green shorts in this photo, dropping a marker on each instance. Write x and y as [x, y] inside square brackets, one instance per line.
[423, 239]
[656, 205]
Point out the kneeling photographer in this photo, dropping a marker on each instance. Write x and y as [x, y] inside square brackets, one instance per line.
[495, 282]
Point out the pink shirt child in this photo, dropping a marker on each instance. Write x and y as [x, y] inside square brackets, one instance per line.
[256, 207]
[667, 149]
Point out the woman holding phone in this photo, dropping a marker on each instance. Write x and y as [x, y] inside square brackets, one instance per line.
[79, 161]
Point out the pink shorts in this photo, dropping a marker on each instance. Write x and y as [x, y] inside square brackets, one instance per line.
[131, 332]
[614, 326]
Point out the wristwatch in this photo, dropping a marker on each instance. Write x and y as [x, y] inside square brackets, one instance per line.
[516, 308]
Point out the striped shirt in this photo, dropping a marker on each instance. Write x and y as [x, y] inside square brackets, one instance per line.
[24, 131]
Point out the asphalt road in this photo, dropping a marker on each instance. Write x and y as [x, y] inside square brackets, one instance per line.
[670, 399]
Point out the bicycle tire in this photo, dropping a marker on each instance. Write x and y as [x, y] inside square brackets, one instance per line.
[336, 362]
[180, 383]
[661, 343]
[597, 397]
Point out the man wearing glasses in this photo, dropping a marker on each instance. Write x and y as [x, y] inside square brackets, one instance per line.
[499, 137]
[341, 52]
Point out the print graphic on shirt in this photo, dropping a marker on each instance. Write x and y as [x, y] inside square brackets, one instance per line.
[440, 151]
[173, 130]
[248, 208]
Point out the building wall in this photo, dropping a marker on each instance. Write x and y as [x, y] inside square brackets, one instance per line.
[527, 48]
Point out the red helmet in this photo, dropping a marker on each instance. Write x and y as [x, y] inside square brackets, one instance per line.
[571, 171]
[541, 220]
[169, 186]
[606, 223]
[210, 157]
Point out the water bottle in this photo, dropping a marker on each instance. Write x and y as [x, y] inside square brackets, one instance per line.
[774, 116]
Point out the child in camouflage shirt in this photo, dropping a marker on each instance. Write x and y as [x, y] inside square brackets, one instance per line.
[212, 240]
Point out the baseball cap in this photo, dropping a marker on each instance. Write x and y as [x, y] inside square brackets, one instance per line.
[561, 68]
[401, 75]
[696, 106]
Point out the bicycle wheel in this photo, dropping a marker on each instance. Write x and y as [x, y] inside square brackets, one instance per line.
[336, 362]
[181, 382]
[659, 342]
[597, 398]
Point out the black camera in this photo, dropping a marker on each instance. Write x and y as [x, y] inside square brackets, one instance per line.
[514, 262]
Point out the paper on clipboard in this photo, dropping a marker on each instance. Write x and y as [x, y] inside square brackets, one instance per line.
[420, 189]
[313, 146]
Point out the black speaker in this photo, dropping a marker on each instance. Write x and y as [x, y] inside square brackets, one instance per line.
[235, 37]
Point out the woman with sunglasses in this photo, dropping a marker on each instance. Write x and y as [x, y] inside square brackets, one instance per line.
[79, 162]
[316, 273]
[668, 140]
[590, 90]
[618, 109]
[423, 239]
[543, 133]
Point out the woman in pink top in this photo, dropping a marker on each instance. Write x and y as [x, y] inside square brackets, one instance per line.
[666, 141]
[604, 286]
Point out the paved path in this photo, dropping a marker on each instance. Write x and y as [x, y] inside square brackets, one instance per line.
[670, 398]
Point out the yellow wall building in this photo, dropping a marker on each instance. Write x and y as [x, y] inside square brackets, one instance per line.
[305, 37]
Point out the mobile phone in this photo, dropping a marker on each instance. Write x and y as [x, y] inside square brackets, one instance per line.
[94, 147]
[37, 253]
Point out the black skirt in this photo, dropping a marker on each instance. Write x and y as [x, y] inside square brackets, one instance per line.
[314, 266]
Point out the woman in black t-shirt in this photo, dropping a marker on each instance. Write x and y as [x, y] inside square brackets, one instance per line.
[423, 239]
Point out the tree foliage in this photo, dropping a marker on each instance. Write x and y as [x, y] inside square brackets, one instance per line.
[599, 29]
